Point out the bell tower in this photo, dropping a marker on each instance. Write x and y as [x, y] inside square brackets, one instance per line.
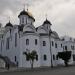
[25, 17]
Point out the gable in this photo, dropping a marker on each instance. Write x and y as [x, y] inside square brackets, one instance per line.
[42, 30]
[28, 28]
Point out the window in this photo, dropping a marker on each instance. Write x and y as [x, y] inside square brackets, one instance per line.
[37, 57]
[26, 20]
[27, 58]
[15, 39]
[22, 19]
[7, 43]
[44, 43]
[56, 57]
[61, 45]
[65, 47]
[52, 43]
[35, 41]
[27, 41]
[53, 57]
[10, 31]
[55, 45]
[15, 58]
[73, 57]
[45, 57]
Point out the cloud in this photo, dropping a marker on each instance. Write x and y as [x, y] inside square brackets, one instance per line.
[60, 12]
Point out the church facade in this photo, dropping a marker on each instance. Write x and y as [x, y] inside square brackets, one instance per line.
[17, 39]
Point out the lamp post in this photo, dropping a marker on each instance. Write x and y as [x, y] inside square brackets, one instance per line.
[50, 47]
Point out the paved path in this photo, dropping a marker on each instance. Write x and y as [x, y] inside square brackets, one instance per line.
[54, 71]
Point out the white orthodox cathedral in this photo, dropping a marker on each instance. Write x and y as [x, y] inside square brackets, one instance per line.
[17, 39]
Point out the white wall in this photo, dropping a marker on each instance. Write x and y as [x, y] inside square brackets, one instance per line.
[12, 51]
[30, 47]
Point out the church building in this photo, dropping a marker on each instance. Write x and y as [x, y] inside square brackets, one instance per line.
[17, 39]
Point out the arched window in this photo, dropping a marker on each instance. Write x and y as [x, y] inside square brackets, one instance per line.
[22, 19]
[53, 57]
[73, 57]
[44, 43]
[15, 58]
[27, 41]
[27, 58]
[52, 43]
[37, 57]
[35, 41]
[66, 48]
[61, 45]
[45, 57]
[55, 45]
[56, 57]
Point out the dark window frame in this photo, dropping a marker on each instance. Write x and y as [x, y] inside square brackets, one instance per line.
[73, 57]
[27, 58]
[22, 20]
[27, 41]
[36, 57]
[44, 43]
[35, 41]
[56, 57]
[56, 45]
[53, 57]
[52, 43]
[15, 58]
[66, 48]
[45, 57]
[61, 46]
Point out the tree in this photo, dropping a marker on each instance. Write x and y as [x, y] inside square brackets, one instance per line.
[31, 56]
[66, 55]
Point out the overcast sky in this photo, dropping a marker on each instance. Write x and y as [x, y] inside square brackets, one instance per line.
[61, 13]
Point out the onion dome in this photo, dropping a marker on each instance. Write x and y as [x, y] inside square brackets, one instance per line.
[54, 34]
[31, 16]
[23, 13]
[9, 24]
[26, 13]
[47, 22]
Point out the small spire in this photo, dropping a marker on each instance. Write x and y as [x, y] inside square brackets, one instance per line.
[24, 7]
[9, 19]
[46, 16]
